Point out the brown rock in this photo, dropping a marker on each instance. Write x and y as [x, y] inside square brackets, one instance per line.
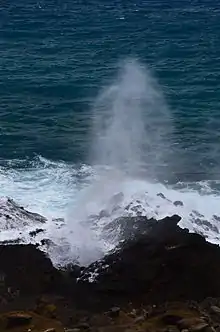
[50, 330]
[17, 319]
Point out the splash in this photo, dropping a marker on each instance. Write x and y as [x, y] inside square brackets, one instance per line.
[131, 140]
[132, 124]
[130, 153]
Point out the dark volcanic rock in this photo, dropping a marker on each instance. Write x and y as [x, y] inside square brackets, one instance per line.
[128, 228]
[178, 203]
[161, 195]
[166, 264]
[27, 269]
[160, 263]
[36, 231]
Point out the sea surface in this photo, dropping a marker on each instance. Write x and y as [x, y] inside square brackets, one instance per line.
[109, 108]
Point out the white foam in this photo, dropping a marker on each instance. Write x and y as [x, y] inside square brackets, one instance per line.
[44, 186]
[132, 127]
[78, 193]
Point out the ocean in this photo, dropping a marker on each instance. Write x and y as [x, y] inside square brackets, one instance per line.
[109, 109]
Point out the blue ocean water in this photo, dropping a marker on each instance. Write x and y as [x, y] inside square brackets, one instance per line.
[56, 54]
[55, 57]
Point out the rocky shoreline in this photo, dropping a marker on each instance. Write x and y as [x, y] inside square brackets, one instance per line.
[159, 278]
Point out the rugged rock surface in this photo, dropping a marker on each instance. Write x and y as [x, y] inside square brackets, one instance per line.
[149, 283]
[25, 269]
[14, 216]
[167, 263]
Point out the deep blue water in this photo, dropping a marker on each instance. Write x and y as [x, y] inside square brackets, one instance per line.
[55, 56]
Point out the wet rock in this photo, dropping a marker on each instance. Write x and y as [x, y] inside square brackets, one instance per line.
[198, 214]
[128, 206]
[128, 227]
[142, 269]
[15, 216]
[59, 221]
[35, 232]
[15, 241]
[161, 195]
[178, 203]
[47, 242]
[50, 330]
[93, 217]
[206, 224]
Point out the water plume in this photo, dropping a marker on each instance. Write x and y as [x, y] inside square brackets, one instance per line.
[131, 123]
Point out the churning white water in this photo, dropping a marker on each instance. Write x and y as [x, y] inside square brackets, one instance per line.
[130, 145]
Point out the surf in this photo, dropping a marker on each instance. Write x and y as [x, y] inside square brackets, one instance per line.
[130, 162]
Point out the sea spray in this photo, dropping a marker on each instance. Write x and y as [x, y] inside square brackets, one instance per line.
[129, 154]
[131, 123]
[130, 140]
